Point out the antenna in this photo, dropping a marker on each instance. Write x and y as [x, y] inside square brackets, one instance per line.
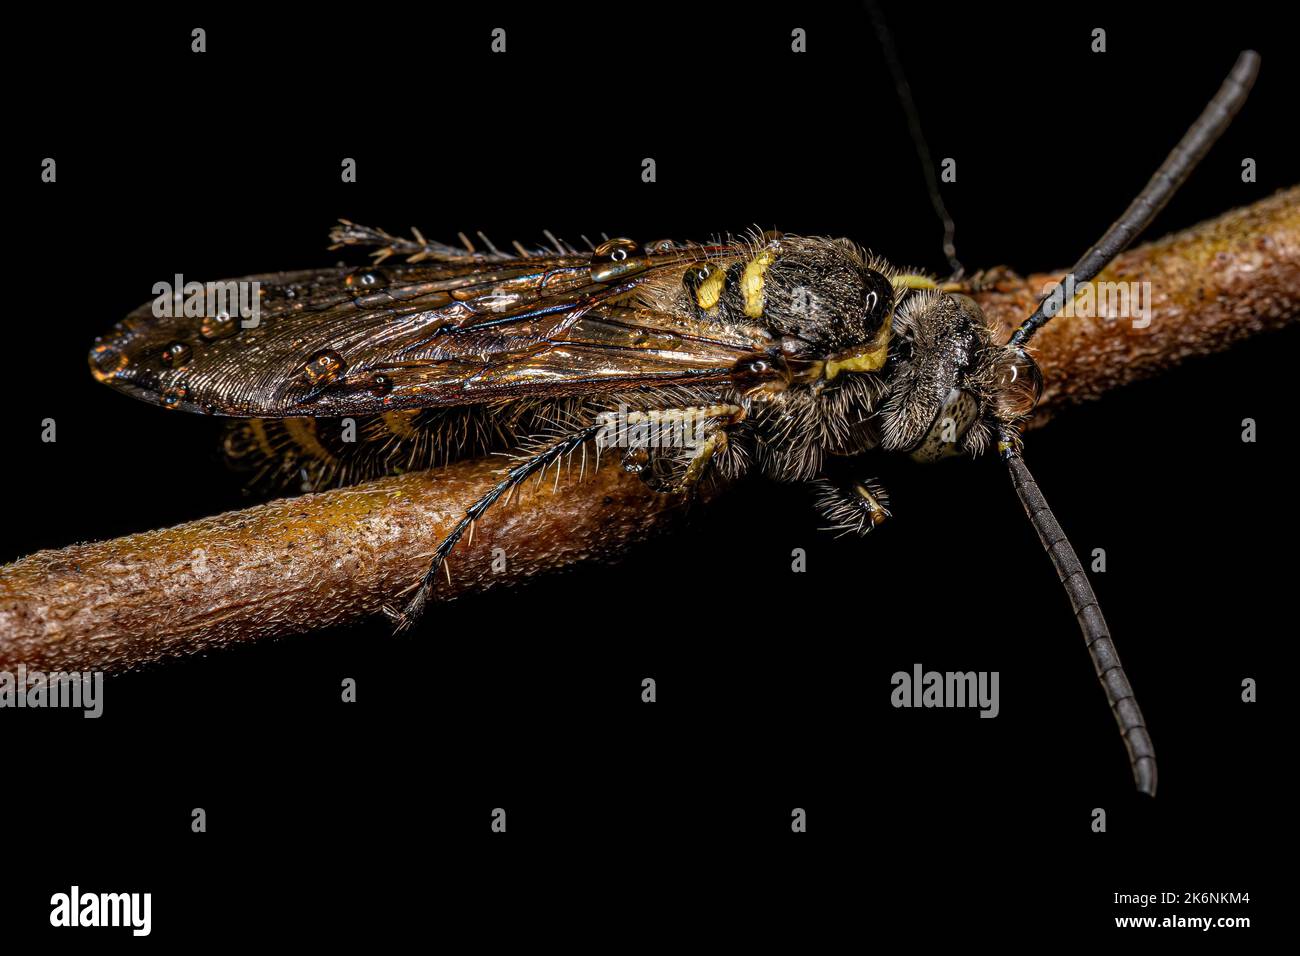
[1119, 693]
[1196, 142]
[1173, 172]
[918, 137]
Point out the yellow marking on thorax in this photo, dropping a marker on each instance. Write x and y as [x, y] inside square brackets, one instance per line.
[710, 290]
[870, 358]
[402, 423]
[303, 432]
[751, 282]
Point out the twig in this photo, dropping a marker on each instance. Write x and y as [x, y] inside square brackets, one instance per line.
[303, 563]
[1216, 284]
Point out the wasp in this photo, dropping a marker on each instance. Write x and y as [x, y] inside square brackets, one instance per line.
[794, 358]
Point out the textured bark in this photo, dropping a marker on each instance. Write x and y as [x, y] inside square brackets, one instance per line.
[1211, 286]
[298, 564]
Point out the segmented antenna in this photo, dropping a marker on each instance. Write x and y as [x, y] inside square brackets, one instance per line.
[918, 137]
[1196, 142]
[1198, 139]
[1119, 693]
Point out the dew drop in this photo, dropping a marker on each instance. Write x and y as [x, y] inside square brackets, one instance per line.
[174, 396]
[177, 354]
[616, 259]
[635, 460]
[695, 276]
[366, 280]
[106, 361]
[323, 367]
[219, 326]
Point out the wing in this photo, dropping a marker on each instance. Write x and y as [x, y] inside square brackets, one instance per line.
[461, 329]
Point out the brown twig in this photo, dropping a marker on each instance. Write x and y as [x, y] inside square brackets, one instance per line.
[303, 563]
[1211, 286]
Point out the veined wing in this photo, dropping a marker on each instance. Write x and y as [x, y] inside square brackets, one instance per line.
[433, 333]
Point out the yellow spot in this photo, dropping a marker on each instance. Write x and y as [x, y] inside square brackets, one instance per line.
[710, 290]
[868, 359]
[913, 280]
[751, 282]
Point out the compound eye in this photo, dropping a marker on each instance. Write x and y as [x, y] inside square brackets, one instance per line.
[877, 301]
[1020, 384]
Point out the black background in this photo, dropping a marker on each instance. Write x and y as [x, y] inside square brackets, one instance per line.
[364, 820]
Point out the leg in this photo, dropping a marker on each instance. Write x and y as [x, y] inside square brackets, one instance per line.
[715, 444]
[514, 477]
[851, 505]
[606, 425]
[906, 281]
[650, 438]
